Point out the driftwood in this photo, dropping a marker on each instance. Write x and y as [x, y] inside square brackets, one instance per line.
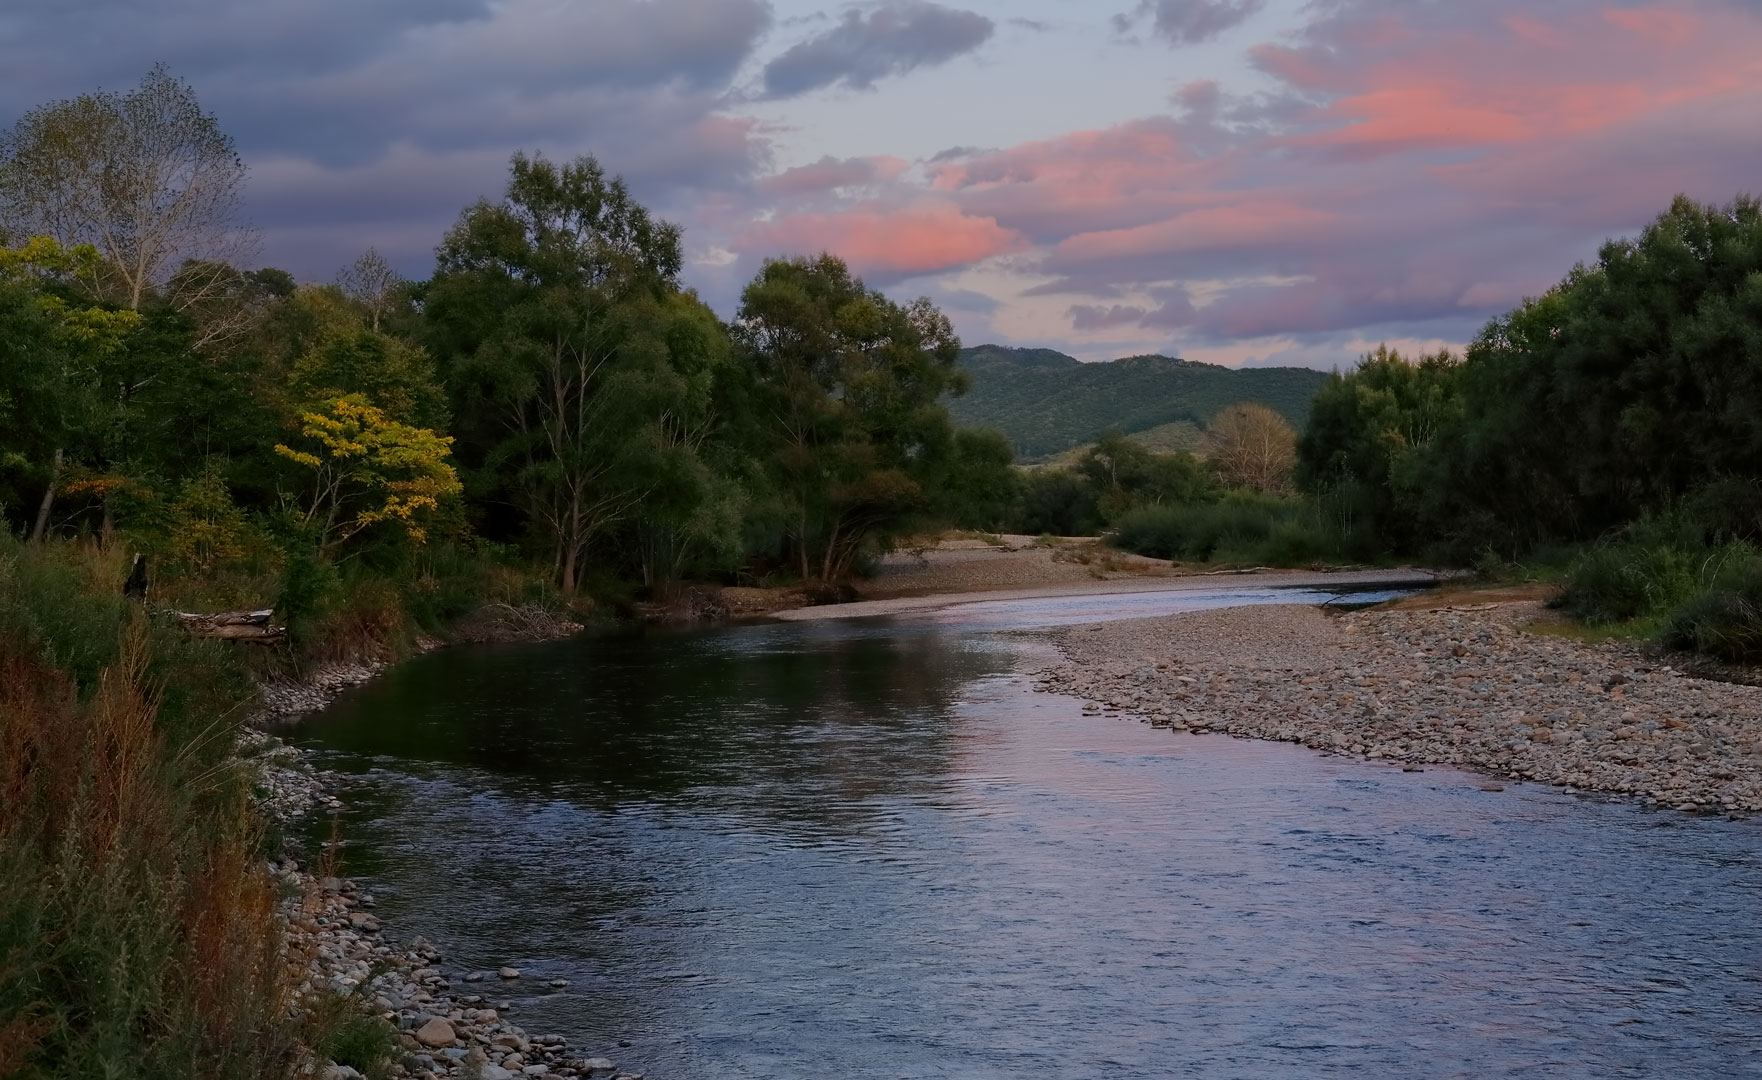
[233, 625]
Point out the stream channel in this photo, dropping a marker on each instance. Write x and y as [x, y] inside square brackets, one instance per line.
[866, 848]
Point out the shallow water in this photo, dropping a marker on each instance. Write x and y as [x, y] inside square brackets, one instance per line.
[867, 849]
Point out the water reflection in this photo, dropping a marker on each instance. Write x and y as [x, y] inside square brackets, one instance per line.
[866, 850]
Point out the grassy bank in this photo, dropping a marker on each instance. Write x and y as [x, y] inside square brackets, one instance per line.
[139, 933]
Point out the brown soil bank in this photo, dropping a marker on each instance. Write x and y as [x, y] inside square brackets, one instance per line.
[1462, 685]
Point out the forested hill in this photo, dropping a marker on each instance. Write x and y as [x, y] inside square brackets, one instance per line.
[1046, 402]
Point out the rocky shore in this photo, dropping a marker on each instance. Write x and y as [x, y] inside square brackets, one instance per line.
[287, 698]
[331, 931]
[1467, 686]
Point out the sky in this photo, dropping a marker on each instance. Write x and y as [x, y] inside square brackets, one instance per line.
[1253, 182]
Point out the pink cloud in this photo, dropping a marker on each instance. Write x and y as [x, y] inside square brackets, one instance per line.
[1419, 165]
[874, 240]
[1251, 223]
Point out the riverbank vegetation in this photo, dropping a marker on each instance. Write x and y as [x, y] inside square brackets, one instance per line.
[552, 420]
[1606, 435]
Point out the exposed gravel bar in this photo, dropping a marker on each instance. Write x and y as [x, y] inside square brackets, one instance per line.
[331, 931]
[1464, 686]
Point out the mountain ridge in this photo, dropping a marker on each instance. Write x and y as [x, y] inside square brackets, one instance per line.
[1046, 402]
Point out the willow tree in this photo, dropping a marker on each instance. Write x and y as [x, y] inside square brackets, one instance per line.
[849, 383]
[146, 178]
[535, 310]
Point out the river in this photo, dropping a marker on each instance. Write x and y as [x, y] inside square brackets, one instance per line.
[866, 849]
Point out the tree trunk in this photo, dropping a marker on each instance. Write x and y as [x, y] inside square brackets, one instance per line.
[42, 527]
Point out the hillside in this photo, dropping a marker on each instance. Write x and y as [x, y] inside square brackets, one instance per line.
[1046, 402]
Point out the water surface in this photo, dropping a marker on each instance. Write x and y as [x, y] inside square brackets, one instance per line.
[866, 849]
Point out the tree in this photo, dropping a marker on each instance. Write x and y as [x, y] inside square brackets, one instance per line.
[55, 358]
[848, 388]
[371, 282]
[1126, 475]
[545, 310]
[146, 178]
[980, 488]
[1629, 385]
[367, 469]
[1251, 446]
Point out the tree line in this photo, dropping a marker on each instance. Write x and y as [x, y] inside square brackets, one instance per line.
[553, 389]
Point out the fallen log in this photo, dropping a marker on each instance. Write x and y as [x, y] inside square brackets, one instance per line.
[232, 625]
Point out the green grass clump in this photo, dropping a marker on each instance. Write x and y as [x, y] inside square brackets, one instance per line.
[1724, 619]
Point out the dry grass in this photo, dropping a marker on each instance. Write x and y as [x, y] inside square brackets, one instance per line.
[138, 926]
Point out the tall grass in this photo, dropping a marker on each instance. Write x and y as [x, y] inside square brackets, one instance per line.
[138, 931]
[1683, 576]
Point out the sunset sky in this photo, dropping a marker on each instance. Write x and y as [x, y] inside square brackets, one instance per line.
[1236, 181]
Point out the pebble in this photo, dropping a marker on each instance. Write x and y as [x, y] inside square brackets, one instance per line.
[1469, 688]
[345, 950]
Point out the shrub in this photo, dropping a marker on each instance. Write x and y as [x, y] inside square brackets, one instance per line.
[1725, 619]
[1241, 527]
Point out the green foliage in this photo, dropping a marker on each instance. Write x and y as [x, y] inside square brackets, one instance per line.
[1126, 476]
[850, 382]
[1045, 402]
[1725, 619]
[574, 360]
[1369, 435]
[980, 489]
[1057, 502]
[207, 529]
[1241, 528]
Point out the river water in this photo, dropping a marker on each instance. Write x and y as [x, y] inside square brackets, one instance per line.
[866, 849]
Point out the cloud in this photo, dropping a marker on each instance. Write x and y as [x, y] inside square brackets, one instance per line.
[1097, 317]
[891, 38]
[365, 122]
[1415, 169]
[1189, 22]
[888, 242]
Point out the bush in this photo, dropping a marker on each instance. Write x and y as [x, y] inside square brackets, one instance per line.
[1725, 619]
[1621, 582]
[1241, 527]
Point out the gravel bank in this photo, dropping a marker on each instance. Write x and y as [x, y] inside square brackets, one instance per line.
[1462, 686]
[331, 931]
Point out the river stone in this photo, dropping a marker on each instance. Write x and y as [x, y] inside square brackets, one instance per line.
[438, 1032]
[509, 973]
[594, 1065]
[495, 1072]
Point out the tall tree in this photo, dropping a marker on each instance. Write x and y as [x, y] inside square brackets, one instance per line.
[536, 308]
[849, 388]
[145, 177]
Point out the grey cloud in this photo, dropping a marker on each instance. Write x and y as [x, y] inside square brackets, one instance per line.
[343, 80]
[375, 121]
[889, 39]
[1189, 22]
[1086, 317]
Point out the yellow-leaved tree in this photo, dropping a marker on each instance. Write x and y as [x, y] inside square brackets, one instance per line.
[368, 469]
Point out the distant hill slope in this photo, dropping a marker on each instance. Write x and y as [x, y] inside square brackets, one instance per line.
[1046, 402]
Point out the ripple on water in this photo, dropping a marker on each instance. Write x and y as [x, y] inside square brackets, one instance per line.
[870, 851]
